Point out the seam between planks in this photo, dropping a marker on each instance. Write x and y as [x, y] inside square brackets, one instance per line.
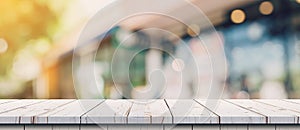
[248, 109]
[80, 118]
[170, 111]
[128, 112]
[219, 117]
[285, 100]
[33, 118]
[53, 109]
[23, 106]
[298, 118]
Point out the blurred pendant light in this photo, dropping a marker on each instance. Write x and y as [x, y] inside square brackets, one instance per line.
[266, 8]
[238, 16]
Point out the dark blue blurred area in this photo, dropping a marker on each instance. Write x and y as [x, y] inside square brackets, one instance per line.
[263, 51]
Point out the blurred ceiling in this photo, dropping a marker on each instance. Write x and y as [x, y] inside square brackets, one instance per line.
[215, 10]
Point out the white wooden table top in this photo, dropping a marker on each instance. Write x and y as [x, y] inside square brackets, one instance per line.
[158, 111]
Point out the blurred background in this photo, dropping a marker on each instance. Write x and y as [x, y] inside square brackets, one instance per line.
[261, 40]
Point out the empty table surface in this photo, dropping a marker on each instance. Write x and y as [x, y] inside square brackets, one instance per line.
[152, 112]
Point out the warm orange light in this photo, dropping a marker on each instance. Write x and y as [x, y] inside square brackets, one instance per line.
[298, 1]
[238, 16]
[266, 8]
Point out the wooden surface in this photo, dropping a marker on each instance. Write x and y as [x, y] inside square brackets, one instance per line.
[150, 114]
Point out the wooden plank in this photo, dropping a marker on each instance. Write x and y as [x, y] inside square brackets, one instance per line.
[190, 112]
[297, 101]
[282, 104]
[149, 112]
[274, 114]
[234, 127]
[261, 127]
[38, 127]
[93, 127]
[69, 113]
[10, 106]
[3, 101]
[11, 127]
[110, 111]
[65, 127]
[178, 127]
[206, 127]
[27, 114]
[135, 127]
[154, 112]
[17, 104]
[287, 127]
[230, 113]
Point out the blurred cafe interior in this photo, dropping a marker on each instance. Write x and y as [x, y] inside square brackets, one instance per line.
[235, 49]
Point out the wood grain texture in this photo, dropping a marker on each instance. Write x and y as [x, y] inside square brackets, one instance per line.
[233, 127]
[65, 127]
[275, 114]
[283, 104]
[190, 112]
[27, 115]
[93, 127]
[109, 112]
[12, 127]
[38, 127]
[230, 113]
[293, 100]
[69, 113]
[287, 127]
[135, 127]
[5, 107]
[152, 112]
[261, 127]
[206, 127]
[178, 127]
[14, 105]
[7, 101]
